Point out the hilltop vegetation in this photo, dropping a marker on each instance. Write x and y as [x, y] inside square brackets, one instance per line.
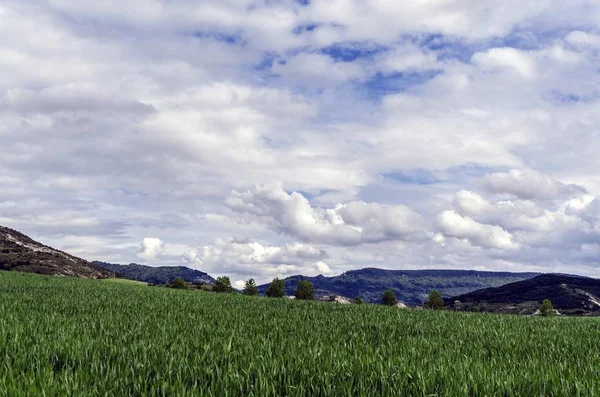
[67, 336]
[157, 275]
[411, 287]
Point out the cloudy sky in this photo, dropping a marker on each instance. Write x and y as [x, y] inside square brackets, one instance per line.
[268, 138]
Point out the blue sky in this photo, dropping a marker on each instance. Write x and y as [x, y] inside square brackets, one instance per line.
[269, 138]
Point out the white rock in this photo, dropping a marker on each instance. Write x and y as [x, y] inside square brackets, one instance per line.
[335, 298]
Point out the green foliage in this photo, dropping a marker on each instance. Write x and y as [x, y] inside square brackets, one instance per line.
[304, 290]
[358, 300]
[435, 301]
[223, 284]
[156, 274]
[178, 283]
[389, 298]
[546, 308]
[61, 336]
[250, 288]
[276, 289]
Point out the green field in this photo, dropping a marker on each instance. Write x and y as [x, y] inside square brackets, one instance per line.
[123, 281]
[63, 336]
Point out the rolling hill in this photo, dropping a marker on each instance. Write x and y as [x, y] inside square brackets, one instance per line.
[21, 253]
[410, 286]
[157, 275]
[572, 295]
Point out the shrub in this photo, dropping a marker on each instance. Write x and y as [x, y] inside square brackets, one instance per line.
[178, 283]
[276, 289]
[389, 298]
[250, 288]
[546, 308]
[304, 290]
[435, 301]
[358, 300]
[223, 284]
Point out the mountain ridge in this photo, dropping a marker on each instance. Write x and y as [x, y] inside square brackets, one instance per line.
[410, 286]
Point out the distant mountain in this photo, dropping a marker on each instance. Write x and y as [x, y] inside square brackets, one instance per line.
[157, 275]
[21, 253]
[572, 295]
[410, 286]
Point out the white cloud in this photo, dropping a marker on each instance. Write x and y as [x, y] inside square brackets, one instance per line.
[317, 70]
[347, 224]
[140, 122]
[455, 225]
[151, 249]
[529, 184]
[253, 259]
[506, 59]
[538, 232]
[239, 284]
[516, 215]
[408, 58]
[583, 39]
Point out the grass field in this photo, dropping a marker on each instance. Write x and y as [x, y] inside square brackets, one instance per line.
[123, 281]
[62, 336]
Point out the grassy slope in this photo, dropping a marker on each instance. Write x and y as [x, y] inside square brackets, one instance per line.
[63, 335]
[124, 281]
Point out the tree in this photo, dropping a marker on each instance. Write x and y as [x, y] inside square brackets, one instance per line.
[389, 298]
[223, 284]
[546, 308]
[178, 283]
[358, 300]
[276, 289]
[304, 291]
[250, 288]
[435, 301]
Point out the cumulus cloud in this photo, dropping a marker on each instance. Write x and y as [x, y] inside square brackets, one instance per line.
[346, 224]
[490, 236]
[253, 259]
[151, 248]
[544, 231]
[529, 184]
[524, 215]
[142, 120]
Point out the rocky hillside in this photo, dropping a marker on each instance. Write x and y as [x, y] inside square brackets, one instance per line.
[572, 295]
[410, 286]
[157, 275]
[21, 253]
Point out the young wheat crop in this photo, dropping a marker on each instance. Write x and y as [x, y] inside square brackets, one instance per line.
[63, 336]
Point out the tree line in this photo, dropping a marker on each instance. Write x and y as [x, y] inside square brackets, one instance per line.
[305, 291]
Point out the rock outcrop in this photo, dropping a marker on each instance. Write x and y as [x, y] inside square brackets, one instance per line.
[335, 298]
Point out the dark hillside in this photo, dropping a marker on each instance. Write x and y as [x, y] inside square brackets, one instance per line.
[157, 275]
[569, 294]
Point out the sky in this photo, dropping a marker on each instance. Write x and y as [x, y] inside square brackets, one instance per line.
[266, 138]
